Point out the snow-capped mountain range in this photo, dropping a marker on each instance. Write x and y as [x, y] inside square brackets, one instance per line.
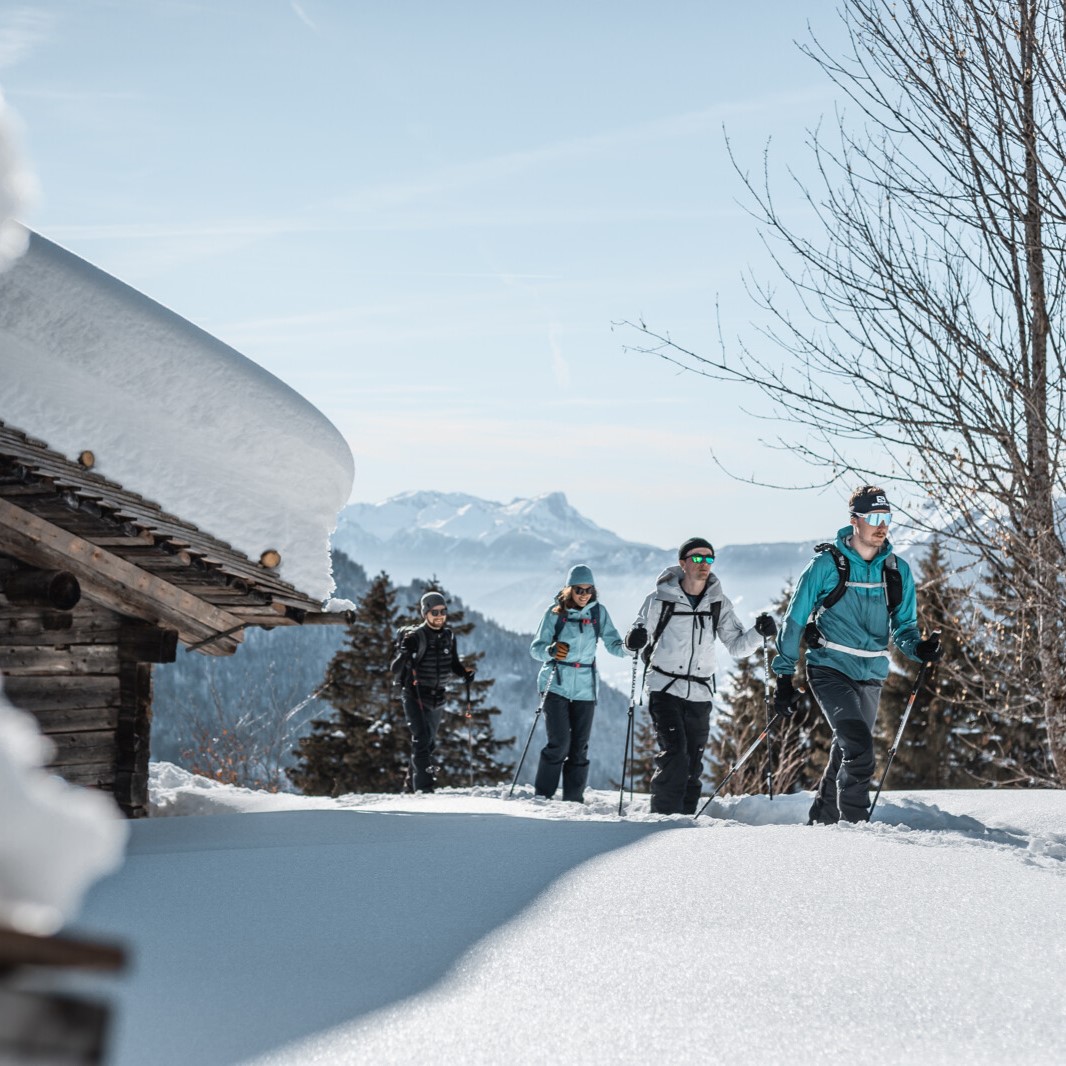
[507, 560]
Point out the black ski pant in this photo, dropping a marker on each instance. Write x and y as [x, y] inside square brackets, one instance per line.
[850, 708]
[423, 709]
[681, 731]
[569, 725]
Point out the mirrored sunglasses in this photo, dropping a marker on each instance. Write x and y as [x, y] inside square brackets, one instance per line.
[708, 559]
[436, 612]
[876, 518]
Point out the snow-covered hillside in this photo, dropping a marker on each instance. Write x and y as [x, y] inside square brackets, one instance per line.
[467, 928]
[508, 560]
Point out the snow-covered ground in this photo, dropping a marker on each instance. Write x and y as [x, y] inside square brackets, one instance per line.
[466, 927]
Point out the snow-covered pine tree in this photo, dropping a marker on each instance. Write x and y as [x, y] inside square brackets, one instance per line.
[466, 746]
[364, 747]
[799, 748]
[1007, 743]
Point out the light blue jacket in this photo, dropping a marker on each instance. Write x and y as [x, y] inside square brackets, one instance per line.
[574, 678]
[859, 620]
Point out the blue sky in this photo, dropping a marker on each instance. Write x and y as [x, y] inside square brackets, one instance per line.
[425, 217]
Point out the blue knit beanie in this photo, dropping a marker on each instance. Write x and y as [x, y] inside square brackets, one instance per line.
[580, 575]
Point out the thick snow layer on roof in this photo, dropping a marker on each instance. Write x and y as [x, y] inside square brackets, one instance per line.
[55, 839]
[169, 412]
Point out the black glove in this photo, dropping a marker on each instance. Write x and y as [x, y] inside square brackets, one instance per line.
[765, 626]
[471, 670]
[558, 651]
[636, 638]
[929, 650]
[785, 696]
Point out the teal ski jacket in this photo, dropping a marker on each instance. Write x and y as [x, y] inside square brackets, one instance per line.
[575, 676]
[858, 623]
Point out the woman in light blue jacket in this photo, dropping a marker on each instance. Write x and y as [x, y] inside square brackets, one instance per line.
[566, 644]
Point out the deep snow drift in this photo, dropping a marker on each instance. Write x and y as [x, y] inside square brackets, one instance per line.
[169, 412]
[469, 928]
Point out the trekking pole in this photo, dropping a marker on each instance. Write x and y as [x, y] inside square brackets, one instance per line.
[469, 730]
[738, 764]
[899, 732]
[767, 702]
[533, 727]
[627, 756]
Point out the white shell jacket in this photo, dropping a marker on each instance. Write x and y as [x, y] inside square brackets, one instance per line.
[683, 660]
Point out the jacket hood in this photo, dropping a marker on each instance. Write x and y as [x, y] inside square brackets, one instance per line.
[668, 585]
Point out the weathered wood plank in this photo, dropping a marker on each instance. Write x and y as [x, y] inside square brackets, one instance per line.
[101, 775]
[62, 693]
[112, 581]
[76, 660]
[77, 749]
[66, 720]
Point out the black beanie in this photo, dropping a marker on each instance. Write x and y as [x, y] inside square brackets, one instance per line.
[694, 542]
[432, 599]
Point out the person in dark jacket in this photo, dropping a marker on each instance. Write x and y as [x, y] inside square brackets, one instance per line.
[566, 644]
[428, 656]
[847, 648]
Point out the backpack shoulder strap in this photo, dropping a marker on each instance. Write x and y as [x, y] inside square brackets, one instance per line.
[560, 621]
[843, 573]
[716, 613]
[595, 616]
[893, 582]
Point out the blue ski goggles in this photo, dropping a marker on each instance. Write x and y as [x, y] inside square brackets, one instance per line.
[875, 518]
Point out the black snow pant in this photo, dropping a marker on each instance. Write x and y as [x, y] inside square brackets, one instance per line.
[681, 731]
[423, 709]
[569, 724]
[850, 708]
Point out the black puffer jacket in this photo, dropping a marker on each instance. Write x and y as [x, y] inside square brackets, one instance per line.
[432, 667]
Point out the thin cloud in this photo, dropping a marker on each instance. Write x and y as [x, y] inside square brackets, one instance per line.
[303, 16]
[491, 168]
[21, 31]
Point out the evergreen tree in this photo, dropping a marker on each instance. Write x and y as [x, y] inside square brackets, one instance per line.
[931, 752]
[1007, 740]
[974, 722]
[799, 746]
[365, 747]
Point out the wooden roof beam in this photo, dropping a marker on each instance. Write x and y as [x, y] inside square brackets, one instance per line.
[112, 581]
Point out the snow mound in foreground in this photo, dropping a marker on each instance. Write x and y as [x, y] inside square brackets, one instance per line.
[55, 839]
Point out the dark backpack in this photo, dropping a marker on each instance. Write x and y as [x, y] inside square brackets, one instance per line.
[404, 662]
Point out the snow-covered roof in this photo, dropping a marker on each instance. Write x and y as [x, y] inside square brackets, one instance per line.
[169, 412]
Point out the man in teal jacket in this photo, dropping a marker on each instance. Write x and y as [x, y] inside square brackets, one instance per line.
[847, 647]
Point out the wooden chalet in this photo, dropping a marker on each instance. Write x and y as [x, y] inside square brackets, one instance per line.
[97, 584]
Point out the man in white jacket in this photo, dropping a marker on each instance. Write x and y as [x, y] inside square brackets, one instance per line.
[684, 615]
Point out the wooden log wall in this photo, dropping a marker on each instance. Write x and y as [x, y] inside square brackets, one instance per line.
[86, 676]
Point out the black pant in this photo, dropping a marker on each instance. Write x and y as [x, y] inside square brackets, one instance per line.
[681, 730]
[423, 709]
[569, 724]
[850, 708]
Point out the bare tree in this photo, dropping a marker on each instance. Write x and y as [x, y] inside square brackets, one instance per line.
[922, 304]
